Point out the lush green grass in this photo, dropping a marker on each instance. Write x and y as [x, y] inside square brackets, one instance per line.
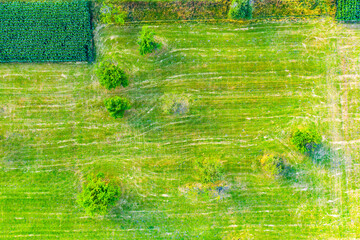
[172, 0]
[248, 85]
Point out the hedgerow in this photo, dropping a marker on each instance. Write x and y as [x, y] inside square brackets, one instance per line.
[111, 14]
[57, 31]
[174, 10]
[279, 8]
[240, 9]
[221, 9]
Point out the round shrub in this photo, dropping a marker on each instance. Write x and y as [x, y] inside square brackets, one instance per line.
[305, 139]
[98, 195]
[146, 41]
[272, 164]
[240, 9]
[117, 106]
[111, 76]
[276, 166]
[175, 104]
[208, 169]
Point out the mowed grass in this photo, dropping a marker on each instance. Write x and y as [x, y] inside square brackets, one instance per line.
[248, 85]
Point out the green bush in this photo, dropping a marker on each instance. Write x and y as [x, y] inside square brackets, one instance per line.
[274, 165]
[117, 106]
[98, 194]
[305, 139]
[240, 9]
[208, 169]
[111, 14]
[111, 76]
[175, 104]
[146, 41]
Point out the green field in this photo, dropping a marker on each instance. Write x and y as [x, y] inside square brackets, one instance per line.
[46, 32]
[248, 85]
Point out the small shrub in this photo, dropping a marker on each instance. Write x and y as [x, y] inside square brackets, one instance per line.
[98, 194]
[305, 139]
[240, 9]
[146, 41]
[117, 106]
[175, 104]
[110, 14]
[271, 164]
[212, 190]
[208, 169]
[111, 76]
[274, 166]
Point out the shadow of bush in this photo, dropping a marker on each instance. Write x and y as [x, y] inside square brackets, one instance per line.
[320, 154]
[122, 209]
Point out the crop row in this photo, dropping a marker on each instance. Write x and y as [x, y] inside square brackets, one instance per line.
[45, 31]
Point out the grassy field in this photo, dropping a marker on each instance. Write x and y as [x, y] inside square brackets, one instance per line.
[247, 86]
